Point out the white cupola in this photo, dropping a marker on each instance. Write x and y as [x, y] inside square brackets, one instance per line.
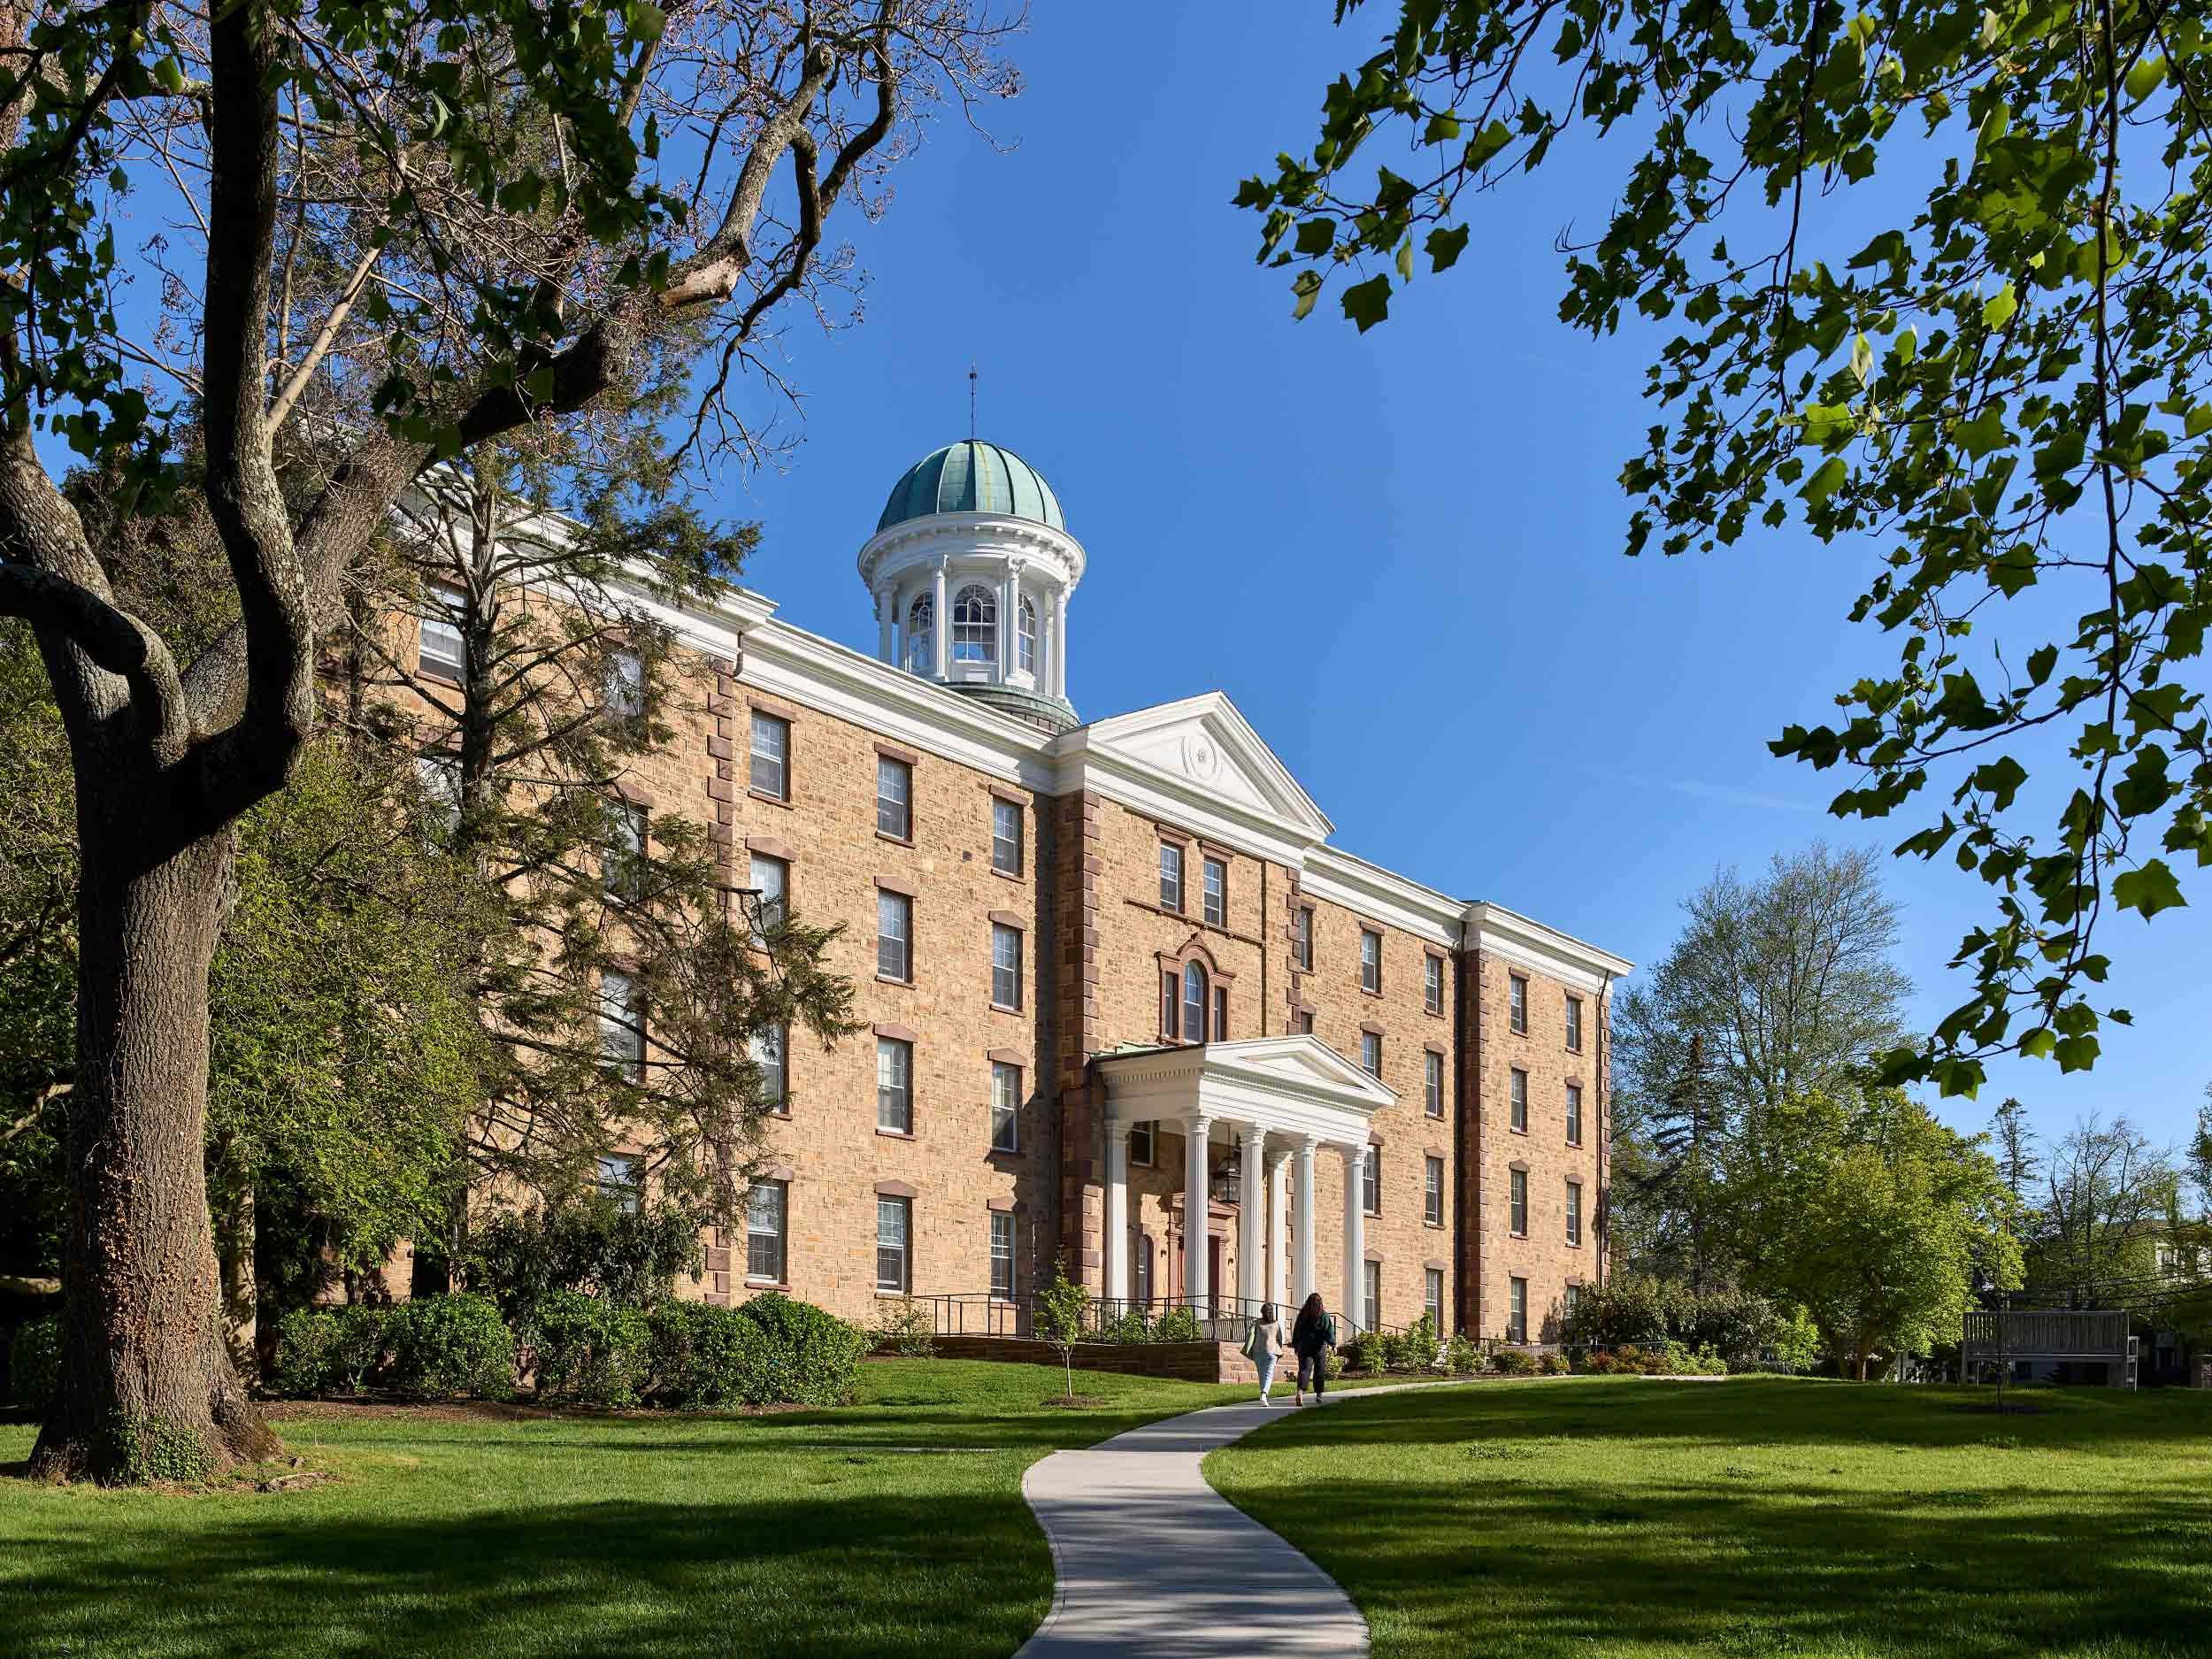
[971, 567]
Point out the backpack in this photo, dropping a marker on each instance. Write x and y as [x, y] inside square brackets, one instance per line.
[1251, 1349]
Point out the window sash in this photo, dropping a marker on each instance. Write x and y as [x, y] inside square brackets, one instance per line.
[1432, 1208]
[1371, 961]
[623, 697]
[1006, 1091]
[1520, 1101]
[1006, 837]
[771, 770]
[1371, 1183]
[619, 861]
[1433, 1083]
[894, 929]
[1221, 1013]
[1141, 1147]
[1574, 1114]
[1433, 1297]
[1301, 940]
[1001, 1255]
[1216, 876]
[621, 1026]
[1006, 966]
[1026, 636]
[1517, 1310]
[1574, 1212]
[770, 880]
[764, 1232]
[617, 1176]
[1434, 986]
[1370, 1053]
[1371, 1287]
[893, 1217]
[1517, 1002]
[921, 628]
[442, 649]
[1171, 876]
[769, 1047]
[1574, 1024]
[894, 798]
[1195, 999]
[895, 1085]
[975, 627]
[1520, 1219]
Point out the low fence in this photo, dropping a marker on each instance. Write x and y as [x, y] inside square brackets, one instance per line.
[1224, 1319]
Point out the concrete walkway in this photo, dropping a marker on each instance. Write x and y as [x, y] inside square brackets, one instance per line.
[1148, 1559]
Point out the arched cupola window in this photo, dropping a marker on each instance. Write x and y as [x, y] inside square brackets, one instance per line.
[921, 636]
[1026, 636]
[975, 627]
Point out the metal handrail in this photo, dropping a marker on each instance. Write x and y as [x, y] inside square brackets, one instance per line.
[1218, 1318]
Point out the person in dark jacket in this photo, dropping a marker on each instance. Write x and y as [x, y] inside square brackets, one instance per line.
[1310, 1339]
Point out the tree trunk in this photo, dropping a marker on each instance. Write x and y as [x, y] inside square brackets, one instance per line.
[241, 1291]
[148, 1389]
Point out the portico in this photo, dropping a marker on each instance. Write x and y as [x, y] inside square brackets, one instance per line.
[1281, 1104]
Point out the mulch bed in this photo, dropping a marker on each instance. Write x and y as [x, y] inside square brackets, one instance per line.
[483, 1411]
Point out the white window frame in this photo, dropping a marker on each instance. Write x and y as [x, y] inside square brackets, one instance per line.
[1370, 1053]
[1517, 1310]
[618, 861]
[975, 628]
[1006, 1104]
[444, 609]
[1516, 1202]
[1025, 635]
[1371, 1295]
[770, 1050]
[1574, 1212]
[1574, 1025]
[618, 1176]
[900, 1213]
[1006, 843]
[769, 755]
[621, 1026]
[1433, 1296]
[1517, 1099]
[1302, 939]
[1196, 1002]
[1371, 960]
[1574, 1114]
[895, 808]
[770, 880]
[921, 636]
[1371, 1183]
[1001, 1254]
[1517, 1004]
[775, 1226]
[1214, 879]
[1432, 1191]
[895, 1086]
[1170, 877]
[623, 697]
[894, 908]
[1147, 1158]
[1433, 984]
[1433, 1083]
[1006, 966]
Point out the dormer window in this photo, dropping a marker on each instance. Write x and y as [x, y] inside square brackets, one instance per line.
[975, 627]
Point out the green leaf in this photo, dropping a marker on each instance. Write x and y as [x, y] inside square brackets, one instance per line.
[1444, 244]
[1986, 432]
[1998, 310]
[1307, 287]
[1368, 302]
[2150, 889]
[1826, 481]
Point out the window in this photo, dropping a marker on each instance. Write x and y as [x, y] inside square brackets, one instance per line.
[1215, 875]
[1520, 1204]
[439, 778]
[1026, 636]
[1302, 1023]
[895, 1086]
[893, 1228]
[1574, 1114]
[1370, 1182]
[1002, 1255]
[768, 1048]
[1432, 1084]
[623, 697]
[619, 1179]
[1301, 940]
[1432, 985]
[1433, 1194]
[1370, 1284]
[764, 1232]
[771, 756]
[1517, 1002]
[1194, 1001]
[1370, 1053]
[1371, 961]
[771, 888]
[1144, 1269]
[1006, 837]
[975, 627]
[1519, 1101]
[619, 860]
[1006, 966]
[1140, 1145]
[1574, 1024]
[921, 636]
[1171, 876]
[894, 798]
[1006, 1099]
[1517, 1310]
[1574, 1212]
[1569, 1300]
[1432, 1298]
[1221, 1013]
[621, 1026]
[442, 651]
[894, 935]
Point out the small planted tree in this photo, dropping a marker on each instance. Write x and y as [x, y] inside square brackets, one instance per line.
[1062, 1315]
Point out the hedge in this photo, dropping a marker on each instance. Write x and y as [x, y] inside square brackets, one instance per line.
[810, 1357]
[595, 1353]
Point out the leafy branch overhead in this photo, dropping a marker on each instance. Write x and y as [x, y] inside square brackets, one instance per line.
[2006, 393]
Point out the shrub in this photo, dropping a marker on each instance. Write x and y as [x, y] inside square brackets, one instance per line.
[1517, 1362]
[451, 1346]
[1177, 1325]
[1419, 1345]
[595, 1244]
[1796, 1344]
[701, 1357]
[1131, 1327]
[1462, 1357]
[586, 1350]
[330, 1350]
[811, 1356]
[1396, 1353]
[906, 1328]
[35, 1363]
[1554, 1365]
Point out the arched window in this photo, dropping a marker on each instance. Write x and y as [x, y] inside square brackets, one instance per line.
[975, 627]
[921, 636]
[1025, 637]
[1194, 1001]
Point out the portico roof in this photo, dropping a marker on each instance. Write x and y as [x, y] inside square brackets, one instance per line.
[1292, 1086]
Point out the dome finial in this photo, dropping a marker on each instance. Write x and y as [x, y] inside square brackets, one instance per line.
[971, 400]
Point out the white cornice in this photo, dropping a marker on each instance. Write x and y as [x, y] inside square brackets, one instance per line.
[1496, 930]
[921, 542]
[1293, 1086]
[1341, 879]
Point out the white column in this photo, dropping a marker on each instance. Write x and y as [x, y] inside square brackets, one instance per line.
[1060, 642]
[886, 607]
[1116, 1243]
[1196, 1132]
[1303, 1288]
[1279, 1230]
[1009, 589]
[1355, 1236]
[941, 635]
[1252, 1220]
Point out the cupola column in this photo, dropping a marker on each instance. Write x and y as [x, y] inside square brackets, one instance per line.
[940, 625]
[1059, 684]
[1009, 588]
[886, 620]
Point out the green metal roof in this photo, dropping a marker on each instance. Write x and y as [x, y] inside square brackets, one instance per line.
[972, 477]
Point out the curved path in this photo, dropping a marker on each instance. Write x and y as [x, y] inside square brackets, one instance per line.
[1148, 1559]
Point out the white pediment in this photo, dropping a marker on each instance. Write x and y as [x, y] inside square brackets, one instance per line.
[1202, 750]
[1295, 1086]
[1299, 1063]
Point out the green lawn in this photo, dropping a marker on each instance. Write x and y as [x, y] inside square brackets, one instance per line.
[800, 1533]
[1600, 1516]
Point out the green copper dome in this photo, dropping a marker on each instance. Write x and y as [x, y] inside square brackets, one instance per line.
[972, 477]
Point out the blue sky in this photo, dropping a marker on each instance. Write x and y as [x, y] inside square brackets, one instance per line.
[1399, 553]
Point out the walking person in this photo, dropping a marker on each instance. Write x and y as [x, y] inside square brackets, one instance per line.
[1263, 1346]
[1312, 1336]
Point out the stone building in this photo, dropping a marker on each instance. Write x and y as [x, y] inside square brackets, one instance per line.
[1121, 994]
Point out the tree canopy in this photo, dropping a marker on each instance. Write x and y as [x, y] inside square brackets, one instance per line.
[2001, 392]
